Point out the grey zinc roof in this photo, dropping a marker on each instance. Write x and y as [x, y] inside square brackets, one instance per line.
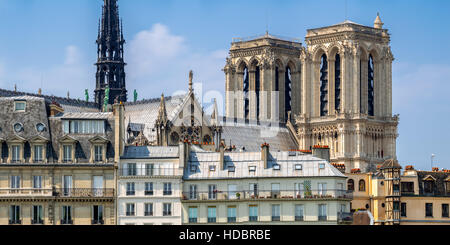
[146, 113]
[243, 160]
[253, 136]
[146, 152]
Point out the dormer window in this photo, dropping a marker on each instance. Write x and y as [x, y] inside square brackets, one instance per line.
[322, 166]
[212, 168]
[38, 153]
[38, 149]
[298, 167]
[276, 167]
[428, 184]
[98, 149]
[252, 169]
[16, 151]
[20, 106]
[98, 153]
[67, 153]
[447, 185]
[231, 169]
[83, 126]
[40, 127]
[18, 127]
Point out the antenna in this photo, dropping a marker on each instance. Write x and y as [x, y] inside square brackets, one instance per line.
[267, 22]
[346, 9]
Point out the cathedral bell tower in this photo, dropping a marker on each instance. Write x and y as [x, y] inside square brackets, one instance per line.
[110, 63]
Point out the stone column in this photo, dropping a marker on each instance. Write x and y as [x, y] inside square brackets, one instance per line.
[331, 85]
[305, 87]
[252, 95]
[356, 83]
[296, 93]
[315, 102]
[281, 94]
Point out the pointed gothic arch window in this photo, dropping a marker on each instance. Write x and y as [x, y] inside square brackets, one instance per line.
[370, 87]
[277, 79]
[287, 91]
[246, 94]
[257, 90]
[337, 81]
[324, 86]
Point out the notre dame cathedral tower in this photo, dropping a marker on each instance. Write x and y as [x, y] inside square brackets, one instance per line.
[110, 63]
[337, 89]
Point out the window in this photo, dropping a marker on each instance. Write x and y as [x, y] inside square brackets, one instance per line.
[428, 186]
[67, 153]
[67, 185]
[275, 190]
[396, 206]
[322, 212]
[37, 182]
[337, 83]
[275, 212]
[299, 212]
[193, 214]
[322, 189]
[84, 127]
[167, 209]
[447, 187]
[149, 189]
[97, 215]
[232, 192]
[148, 209]
[167, 189]
[253, 213]
[66, 217]
[276, 167]
[252, 168]
[299, 190]
[350, 185]
[16, 152]
[98, 153]
[444, 210]
[38, 153]
[130, 209]
[322, 166]
[40, 127]
[403, 209]
[370, 87]
[37, 215]
[212, 192]
[131, 189]
[149, 169]
[193, 192]
[298, 167]
[14, 216]
[131, 169]
[212, 215]
[407, 187]
[254, 190]
[231, 214]
[20, 106]
[212, 168]
[15, 182]
[231, 169]
[429, 209]
[362, 185]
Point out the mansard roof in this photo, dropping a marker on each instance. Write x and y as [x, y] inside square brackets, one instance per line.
[439, 178]
[148, 152]
[69, 105]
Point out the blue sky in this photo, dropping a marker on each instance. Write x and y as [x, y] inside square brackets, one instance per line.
[51, 44]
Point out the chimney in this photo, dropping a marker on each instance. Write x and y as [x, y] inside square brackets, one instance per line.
[55, 109]
[322, 152]
[265, 154]
[222, 153]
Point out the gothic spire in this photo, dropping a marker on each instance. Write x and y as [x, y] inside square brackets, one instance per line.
[110, 63]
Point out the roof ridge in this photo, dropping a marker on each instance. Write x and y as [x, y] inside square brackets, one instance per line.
[50, 98]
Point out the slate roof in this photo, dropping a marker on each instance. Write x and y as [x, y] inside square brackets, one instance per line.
[243, 160]
[252, 136]
[87, 115]
[147, 152]
[146, 112]
[439, 184]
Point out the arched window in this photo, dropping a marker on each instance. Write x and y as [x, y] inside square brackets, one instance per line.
[362, 185]
[337, 83]
[324, 86]
[350, 185]
[245, 90]
[277, 79]
[257, 90]
[370, 87]
[287, 91]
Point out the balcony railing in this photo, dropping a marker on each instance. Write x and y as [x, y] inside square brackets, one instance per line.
[323, 218]
[25, 192]
[253, 218]
[276, 218]
[231, 219]
[84, 192]
[344, 217]
[299, 218]
[264, 195]
[192, 220]
[150, 172]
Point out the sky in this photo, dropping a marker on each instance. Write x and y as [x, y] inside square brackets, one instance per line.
[50, 44]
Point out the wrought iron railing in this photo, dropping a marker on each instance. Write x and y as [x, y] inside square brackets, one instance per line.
[25, 192]
[264, 195]
[150, 172]
[84, 192]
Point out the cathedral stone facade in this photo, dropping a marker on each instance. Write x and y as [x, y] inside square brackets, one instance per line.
[336, 91]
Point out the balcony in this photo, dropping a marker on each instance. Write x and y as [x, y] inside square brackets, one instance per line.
[192, 220]
[150, 172]
[231, 219]
[267, 195]
[276, 218]
[253, 218]
[84, 192]
[26, 192]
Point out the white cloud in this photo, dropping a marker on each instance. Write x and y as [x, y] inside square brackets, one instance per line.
[159, 61]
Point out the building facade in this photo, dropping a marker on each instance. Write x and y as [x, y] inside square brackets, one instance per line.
[57, 168]
[149, 186]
